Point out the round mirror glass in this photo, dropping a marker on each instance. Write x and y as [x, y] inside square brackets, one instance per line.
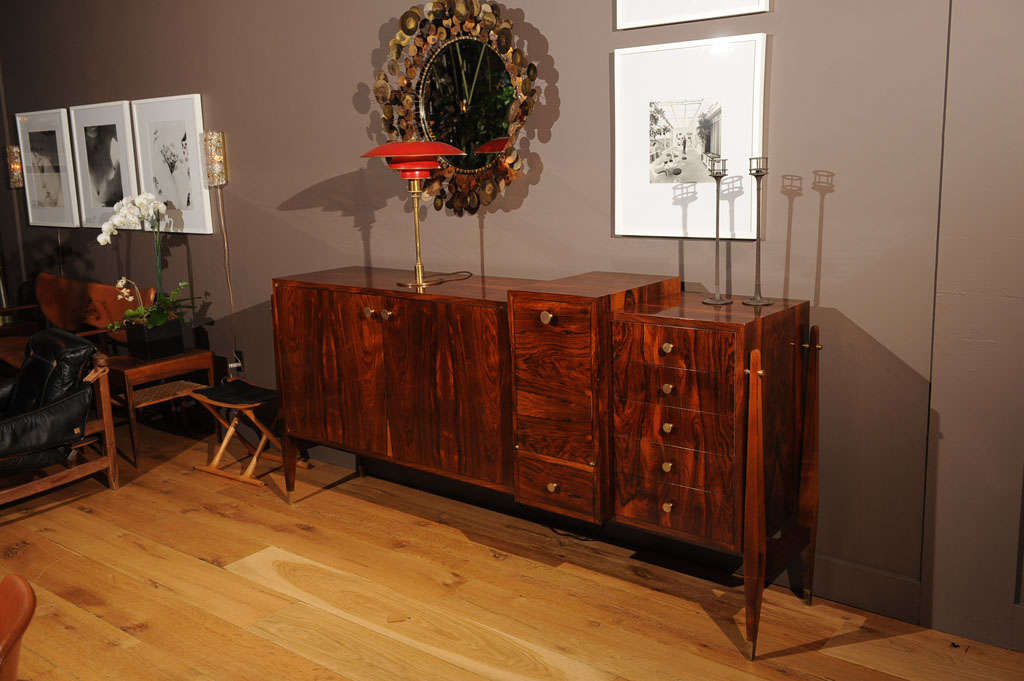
[465, 93]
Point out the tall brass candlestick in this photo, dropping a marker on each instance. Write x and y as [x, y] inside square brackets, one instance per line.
[758, 168]
[716, 169]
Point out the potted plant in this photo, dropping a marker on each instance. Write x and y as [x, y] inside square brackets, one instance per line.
[153, 330]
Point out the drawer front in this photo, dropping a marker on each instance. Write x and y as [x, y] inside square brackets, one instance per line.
[668, 506]
[702, 431]
[694, 390]
[704, 350]
[662, 464]
[554, 377]
[555, 486]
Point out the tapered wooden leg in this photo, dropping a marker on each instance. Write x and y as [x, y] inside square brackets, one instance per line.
[755, 531]
[133, 426]
[290, 453]
[807, 509]
[106, 413]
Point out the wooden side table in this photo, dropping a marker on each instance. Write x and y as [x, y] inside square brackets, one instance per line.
[135, 374]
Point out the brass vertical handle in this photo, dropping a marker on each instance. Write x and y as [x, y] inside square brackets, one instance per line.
[546, 317]
[368, 312]
[667, 348]
[667, 388]
[666, 466]
[386, 314]
[667, 428]
[552, 487]
[667, 507]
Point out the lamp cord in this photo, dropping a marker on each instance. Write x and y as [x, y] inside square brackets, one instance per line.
[227, 272]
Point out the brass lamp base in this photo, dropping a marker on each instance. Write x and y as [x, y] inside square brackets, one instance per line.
[717, 299]
[420, 284]
[758, 301]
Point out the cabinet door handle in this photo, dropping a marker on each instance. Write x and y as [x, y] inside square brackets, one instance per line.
[666, 466]
[546, 317]
[368, 312]
[552, 487]
[667, 348]
[386, 314]
[667, 507]
[667, 428]
[667, 388]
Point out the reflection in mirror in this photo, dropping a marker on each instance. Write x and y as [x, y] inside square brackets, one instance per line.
[465, 98]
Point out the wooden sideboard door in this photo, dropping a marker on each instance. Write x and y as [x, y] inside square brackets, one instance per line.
[411, 334]
[299, 327]
[355, 412]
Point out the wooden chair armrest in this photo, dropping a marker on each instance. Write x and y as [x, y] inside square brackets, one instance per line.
[18, 308]
[91, 332]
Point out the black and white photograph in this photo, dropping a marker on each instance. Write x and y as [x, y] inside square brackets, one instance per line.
[677, 107]
[167, 135]
[46, 157]
[637, 13]
[104, 158]
[685, 133]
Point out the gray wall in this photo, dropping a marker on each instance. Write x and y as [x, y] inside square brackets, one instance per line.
[853, 88]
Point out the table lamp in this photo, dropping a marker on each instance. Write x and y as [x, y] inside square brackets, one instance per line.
[415, 161]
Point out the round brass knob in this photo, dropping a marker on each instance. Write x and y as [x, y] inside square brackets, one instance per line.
[666, 466]
[552, 487]
[546, 317]
[667, 348]
[667, 388]
[368, 312]
[386, 314]
[667, 507]
[667, 428]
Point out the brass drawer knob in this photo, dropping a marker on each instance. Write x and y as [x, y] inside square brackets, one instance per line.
[666, 466]
[667, 507]
[386, 314]
[667, 388]
[667, 348]
[667, 428]
[546, 317]
[552, 487]
[368, 312]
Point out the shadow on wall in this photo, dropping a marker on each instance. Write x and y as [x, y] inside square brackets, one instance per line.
[358, 194]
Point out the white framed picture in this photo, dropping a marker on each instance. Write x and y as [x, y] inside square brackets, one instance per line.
[104, 158]
[676, 106]
[636, 13]
[168, 145]
[46, 161]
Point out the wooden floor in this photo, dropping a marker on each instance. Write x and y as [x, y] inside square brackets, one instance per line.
[181, 575]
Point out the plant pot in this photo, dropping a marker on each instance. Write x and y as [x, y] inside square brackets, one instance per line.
[160, 341]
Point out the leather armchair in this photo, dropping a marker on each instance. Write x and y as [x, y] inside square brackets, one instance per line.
[43, 410]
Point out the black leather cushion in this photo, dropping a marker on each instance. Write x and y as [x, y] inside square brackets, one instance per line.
[30, 462]
[58, 423]
[237, 393]
[55, 363]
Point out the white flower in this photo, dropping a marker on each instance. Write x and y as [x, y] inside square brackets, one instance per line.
[122, 282]
[118, 220]
[161, 207]
[108, 228]
[118, 206]
[103, 238]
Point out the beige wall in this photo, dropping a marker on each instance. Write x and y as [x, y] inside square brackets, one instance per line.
[853, 88]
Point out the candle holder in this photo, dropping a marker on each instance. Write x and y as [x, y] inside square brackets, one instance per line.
[758, 168]
[716, 169]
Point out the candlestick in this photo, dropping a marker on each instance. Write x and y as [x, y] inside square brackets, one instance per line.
[716, 169]
[758, 168]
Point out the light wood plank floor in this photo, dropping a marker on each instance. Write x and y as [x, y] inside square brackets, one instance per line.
[181, 575]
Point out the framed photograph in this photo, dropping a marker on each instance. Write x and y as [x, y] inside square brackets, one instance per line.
[168, 145]
[636, 13]
[677, 106]
[46, 162]
[104, 158]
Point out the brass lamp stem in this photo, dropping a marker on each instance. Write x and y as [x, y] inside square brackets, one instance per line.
[758, 300]
[718, 298]
[416, 190]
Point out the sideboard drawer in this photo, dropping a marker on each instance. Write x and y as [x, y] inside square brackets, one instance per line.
[695, 349]
[695, 390]
[555, 486]
[703, 431]
[669, 506]
[659, 464]
[570, 322]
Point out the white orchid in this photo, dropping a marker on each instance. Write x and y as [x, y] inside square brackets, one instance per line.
[140, 212]
[103, 238]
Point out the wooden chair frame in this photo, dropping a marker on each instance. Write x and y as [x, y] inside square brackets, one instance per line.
[99, 435]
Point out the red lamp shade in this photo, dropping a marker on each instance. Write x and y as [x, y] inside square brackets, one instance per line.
[414, 160]
[493, 147]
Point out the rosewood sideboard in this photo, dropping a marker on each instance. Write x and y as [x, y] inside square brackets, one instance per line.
[605, 397]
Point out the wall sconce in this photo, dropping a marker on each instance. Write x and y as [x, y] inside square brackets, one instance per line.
[15, 172]
[216, 178]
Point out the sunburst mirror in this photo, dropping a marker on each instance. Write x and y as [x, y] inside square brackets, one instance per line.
[454, 74]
